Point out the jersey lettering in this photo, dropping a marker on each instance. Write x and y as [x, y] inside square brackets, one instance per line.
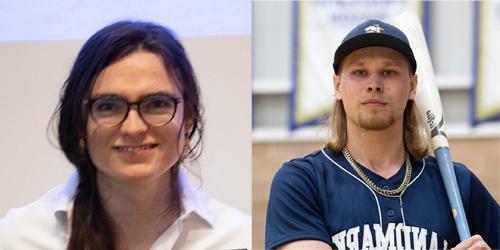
[352, 238]
[434, 241]
[367, 238]
[385, 241]
[419, 238]
[396, 236]
[406, 232]
[339, 240]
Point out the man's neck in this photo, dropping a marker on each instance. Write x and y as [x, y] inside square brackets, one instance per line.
[381, 151]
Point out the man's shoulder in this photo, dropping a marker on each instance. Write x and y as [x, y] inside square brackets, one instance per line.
[466, 179]
[460, 169]
[311, 162]
[309, 170]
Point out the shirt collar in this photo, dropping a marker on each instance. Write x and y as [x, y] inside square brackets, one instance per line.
[194, 202]
[64, 201]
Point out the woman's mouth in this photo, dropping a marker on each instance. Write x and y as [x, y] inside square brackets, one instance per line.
[135, 153]
[134, 148]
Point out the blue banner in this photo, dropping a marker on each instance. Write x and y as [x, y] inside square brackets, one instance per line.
[486, 88]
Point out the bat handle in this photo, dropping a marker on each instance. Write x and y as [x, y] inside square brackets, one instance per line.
[450, 182]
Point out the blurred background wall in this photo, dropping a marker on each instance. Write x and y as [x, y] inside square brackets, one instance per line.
[451, 26]
[39, 41]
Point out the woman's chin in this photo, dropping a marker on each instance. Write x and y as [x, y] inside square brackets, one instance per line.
[137, 172]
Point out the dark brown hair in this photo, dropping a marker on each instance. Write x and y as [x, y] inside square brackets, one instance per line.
[90, 223]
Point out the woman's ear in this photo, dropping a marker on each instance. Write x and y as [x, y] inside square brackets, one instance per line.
[189, 128]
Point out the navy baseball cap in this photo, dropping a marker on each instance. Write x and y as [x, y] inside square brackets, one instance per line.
[374, 33]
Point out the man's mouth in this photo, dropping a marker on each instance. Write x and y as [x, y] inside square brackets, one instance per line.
[374, 101]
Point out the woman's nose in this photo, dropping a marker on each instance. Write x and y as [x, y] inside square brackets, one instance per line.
[134, 124]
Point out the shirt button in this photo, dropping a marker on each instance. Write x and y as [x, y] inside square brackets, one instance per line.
[390, 212]
[386, 187]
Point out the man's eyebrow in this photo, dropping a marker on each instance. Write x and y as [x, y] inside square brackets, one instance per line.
[390, 62]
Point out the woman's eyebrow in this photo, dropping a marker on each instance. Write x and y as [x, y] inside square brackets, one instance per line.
[110, 94]
[163, 93]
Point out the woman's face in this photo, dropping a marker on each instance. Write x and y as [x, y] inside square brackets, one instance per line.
[135, 150]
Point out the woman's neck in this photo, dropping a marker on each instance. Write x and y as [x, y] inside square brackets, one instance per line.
[139, 211]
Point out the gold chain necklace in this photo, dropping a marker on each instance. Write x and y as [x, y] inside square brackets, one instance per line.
[384, 192]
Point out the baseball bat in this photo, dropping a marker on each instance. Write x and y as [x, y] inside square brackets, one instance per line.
[430, 109]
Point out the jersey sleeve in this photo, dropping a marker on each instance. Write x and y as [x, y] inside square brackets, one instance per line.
[294, 211]
[483, 213]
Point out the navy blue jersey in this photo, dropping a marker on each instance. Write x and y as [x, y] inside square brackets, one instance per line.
[321, 197]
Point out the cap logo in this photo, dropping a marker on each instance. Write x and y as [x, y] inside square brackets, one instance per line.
[374, 28]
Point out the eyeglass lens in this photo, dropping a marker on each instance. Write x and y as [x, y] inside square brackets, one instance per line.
[109, 111]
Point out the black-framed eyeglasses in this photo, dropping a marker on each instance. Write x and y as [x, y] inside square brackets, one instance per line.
[111, 110]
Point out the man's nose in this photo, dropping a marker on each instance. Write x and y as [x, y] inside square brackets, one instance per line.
[375, 84]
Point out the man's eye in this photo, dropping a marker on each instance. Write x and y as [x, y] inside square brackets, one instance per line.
[388, 73]
[359, 72]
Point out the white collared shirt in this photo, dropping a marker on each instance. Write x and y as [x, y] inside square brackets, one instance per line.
[204, 223]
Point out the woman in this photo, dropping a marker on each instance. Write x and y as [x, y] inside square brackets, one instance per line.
[129, 115]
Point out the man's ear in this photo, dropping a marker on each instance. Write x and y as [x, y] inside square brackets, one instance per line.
[336, 86]
[413, 86]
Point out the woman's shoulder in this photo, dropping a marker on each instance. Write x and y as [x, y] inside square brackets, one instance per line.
[36, 210]
[230, 227]
[225, 216]
[34, 226]
[41, 224]
[215, 225]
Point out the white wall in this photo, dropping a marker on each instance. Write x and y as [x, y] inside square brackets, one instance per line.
[32, 73]
[31, 20]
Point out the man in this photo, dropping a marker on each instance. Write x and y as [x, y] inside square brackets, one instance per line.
[374, 185]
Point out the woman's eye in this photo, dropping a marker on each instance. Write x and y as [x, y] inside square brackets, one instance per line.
[158, 105]
[106, 106]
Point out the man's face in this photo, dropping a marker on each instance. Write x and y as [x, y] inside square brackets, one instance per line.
[375, 84]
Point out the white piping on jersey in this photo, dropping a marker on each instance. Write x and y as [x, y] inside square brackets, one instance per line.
[401, 195]
[362, 182]
[401, 207]
[376, 199]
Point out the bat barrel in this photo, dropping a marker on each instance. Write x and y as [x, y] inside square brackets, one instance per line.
[450, 182]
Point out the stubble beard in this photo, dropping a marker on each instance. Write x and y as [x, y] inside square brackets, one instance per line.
[376, 121]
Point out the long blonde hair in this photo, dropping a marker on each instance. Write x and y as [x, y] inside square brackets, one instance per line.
[415, 136]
